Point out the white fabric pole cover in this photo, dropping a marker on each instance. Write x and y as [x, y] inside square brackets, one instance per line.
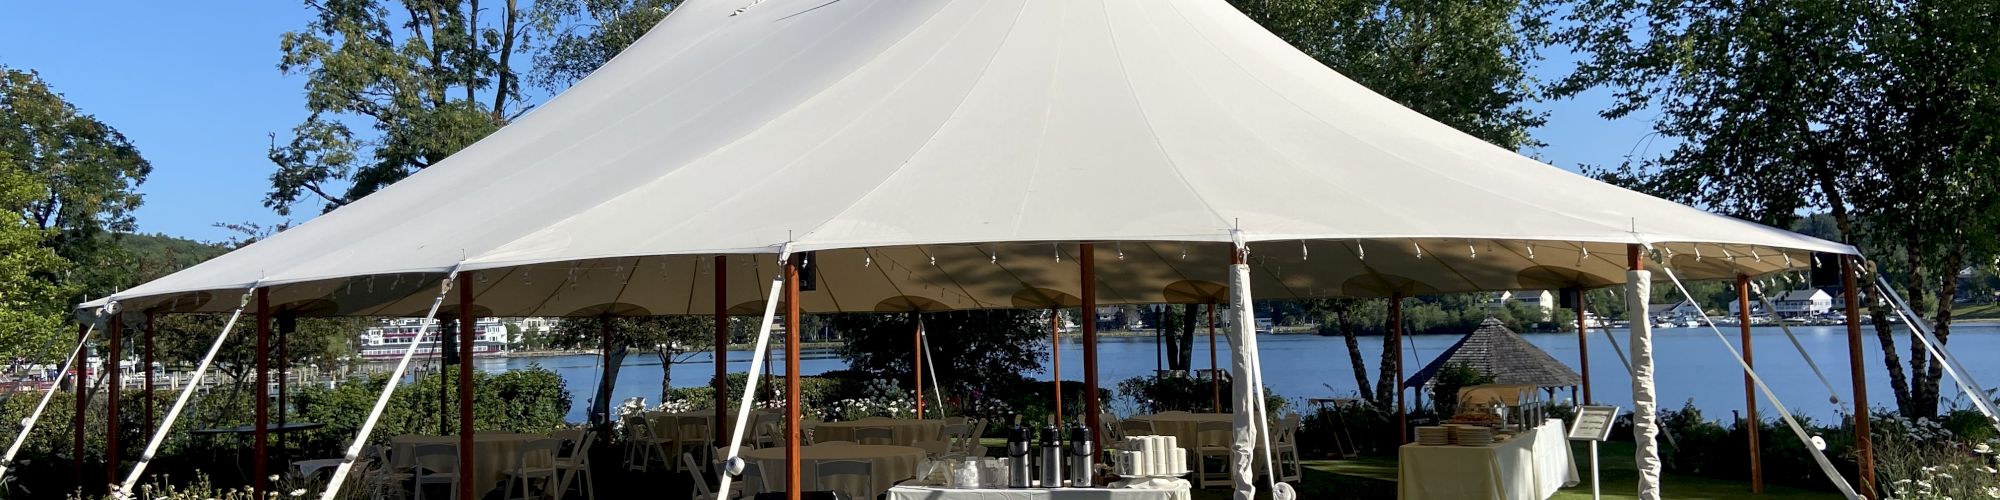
[1645, 404]
[1242, 390]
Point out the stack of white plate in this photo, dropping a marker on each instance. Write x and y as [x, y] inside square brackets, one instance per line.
[1472, 435]
[1434, 435]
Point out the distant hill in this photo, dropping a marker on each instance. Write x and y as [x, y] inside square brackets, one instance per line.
[159, 255]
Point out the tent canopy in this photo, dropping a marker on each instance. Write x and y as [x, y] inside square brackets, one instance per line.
[951, 154]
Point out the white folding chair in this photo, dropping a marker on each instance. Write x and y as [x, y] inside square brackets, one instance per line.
[534, 460]
[576, 463]
[1213, 440]
[875, 435]
[1285, 448]
[434, 464]
[701, 491]
[855, 476]
[650, 447]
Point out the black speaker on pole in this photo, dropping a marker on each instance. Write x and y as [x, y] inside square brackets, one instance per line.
[805, 495]
[1566, 298]
[808, 271]
[1826, 269]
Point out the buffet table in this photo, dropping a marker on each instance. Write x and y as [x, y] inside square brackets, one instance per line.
[889, 463]
[493, 455]
[1530, 466]
[907, 431]
[1180, 491]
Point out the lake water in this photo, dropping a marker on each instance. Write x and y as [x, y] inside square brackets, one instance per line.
[1691, 363]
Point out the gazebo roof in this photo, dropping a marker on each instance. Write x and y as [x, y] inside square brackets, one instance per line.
[952, 155]
[1502, 354]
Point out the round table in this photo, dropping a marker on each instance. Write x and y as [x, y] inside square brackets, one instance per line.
[1182, 425]
[889, 464]
[492, 456]
[906, 431]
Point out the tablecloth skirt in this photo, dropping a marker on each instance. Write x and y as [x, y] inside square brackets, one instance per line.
[1531, 466]
[934, 493]
[906, 431]
[492, 457]
[890, 464]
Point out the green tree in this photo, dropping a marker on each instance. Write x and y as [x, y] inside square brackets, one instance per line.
[1878, 113]
[1461, 63]
[84, 174]
[665, 336]
[32, 305]
[970, 349]
[578, 36]
[426, 77]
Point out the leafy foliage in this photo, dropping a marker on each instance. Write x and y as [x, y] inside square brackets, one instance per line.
[1445, 386]
[71, 179]
[1461, 63]
[427, 78]
[969, 348]
[577, 36]
[665, 336]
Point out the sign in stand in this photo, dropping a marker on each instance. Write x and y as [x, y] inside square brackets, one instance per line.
[1593, 424]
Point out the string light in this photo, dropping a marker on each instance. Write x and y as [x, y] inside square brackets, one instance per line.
[1120, 246]
[933, 261]
[1360, 251]
[1531, 251]
[1754, 256]
[1471, 249]
[1420, 249]
[1183, 250]
[1697, 253]
[1304, 254]
[1727, 255]
[867, 261]
[1058, 250]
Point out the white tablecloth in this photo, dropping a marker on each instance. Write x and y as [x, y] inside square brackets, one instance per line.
[890, 464]
[907, 431]
[1180, 491]
[1531, 466]
[493, 455]
[1182, 425]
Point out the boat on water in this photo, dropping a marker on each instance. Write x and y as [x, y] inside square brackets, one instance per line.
[390, 338]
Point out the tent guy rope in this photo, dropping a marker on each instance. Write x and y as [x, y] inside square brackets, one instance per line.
[733, 464]
[388, 389]
[1921, 330]
[1784, 414]
[180, 402]
[1833, 396]
[28, 424]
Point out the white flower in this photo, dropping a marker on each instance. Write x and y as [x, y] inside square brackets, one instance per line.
[1992, 492]
[299, 492]
[1982, 448]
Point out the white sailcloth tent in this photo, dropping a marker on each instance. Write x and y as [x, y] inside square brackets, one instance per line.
[938, 155]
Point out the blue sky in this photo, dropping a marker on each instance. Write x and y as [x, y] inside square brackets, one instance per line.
[196, 87]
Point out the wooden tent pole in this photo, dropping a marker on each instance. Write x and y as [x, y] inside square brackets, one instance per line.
[917, 346]
[261, 433]
[1055, 356]
[792, 404]
[115, 351]
[1751, 424]
[724, 425]
[1583, 343]
[80, 366]
[151, 318]
[1087, 260]
[1214, 377]
[1396, 336]
[467, 325]
[1864, 444]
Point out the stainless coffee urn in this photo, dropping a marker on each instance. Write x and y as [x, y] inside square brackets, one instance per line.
[1081, 466]
[1052, 456]
[1018, 466]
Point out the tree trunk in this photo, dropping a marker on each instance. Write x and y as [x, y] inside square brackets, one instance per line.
[1884, 333]
[1346, 324]
[1947, 290]
[1921, 397]
[1190, 315]
[1386, 376]
[667, 353]
[600, 411]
